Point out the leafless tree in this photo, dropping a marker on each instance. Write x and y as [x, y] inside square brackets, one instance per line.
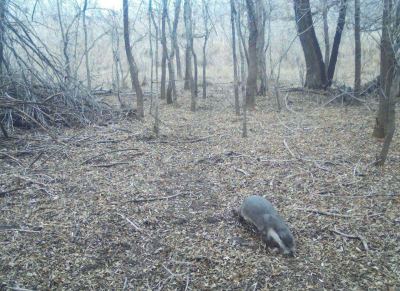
[336, 41]
[251, 87]
[357, 41]
[235, 66]
[2, 32]
[326, 34]
[133, 69]
[207, 32]
[389, 76]
[315, 76]
[190, 53]
[164, 48]
[89, 81]
[171, 92]
[65, 40]
[187, 15]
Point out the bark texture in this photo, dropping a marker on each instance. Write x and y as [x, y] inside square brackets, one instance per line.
[133, 69]
[386, 73]
[336, 41]
[251, 88]
[315, 67]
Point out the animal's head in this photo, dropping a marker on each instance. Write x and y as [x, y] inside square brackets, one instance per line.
[280, 233]
[287, 241]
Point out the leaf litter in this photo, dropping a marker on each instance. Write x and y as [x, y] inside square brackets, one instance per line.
[112, 207]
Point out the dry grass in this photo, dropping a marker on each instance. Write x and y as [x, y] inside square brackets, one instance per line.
[73, 222]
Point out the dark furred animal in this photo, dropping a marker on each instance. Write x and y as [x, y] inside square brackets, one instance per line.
[260, 212]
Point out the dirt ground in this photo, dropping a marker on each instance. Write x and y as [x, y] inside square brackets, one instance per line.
[112, 207]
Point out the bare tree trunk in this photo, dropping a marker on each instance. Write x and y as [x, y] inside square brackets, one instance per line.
[251, 87]
[316, 76]
[261, 20]
[235, 66]
[89, 81]
[164, 50]
[326, 34]
[133, 69]
[156, 127]
[188, 52]
[157, 34]
[178, 61]
[241, 54]
[391, 120]
[65, 40]
[2, 34]
[244, 130]
[336, 41]
[116, 57]
[207, 34]
[357, 40]
[386, 73]
[172, 84]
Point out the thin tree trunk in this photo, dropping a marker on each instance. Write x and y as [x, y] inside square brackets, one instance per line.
[65, 40]
[156, 127]
[164, 49]
[336, 41]
[171, 92]
[157, 34]
[133, 69]
[326, 34]
[235, 74]
[251, 87]
[241, 54]
[178, 61]
[357, 40]
[188, 51]
[261, 20]
[89, 81]
[391, 120]
[2, 34]
[207, 33]
[386, 73]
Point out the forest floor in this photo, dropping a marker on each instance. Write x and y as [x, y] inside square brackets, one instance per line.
[112, 207]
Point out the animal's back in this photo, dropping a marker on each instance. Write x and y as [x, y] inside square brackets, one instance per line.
[256, 206]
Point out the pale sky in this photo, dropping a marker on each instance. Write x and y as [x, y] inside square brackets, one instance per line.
[110, 4]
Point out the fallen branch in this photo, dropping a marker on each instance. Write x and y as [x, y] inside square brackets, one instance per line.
[357, 196]
[110, 165]
[155, 198]
[4, 193]
[200, 139]
[109, 152]
[131, 223]
[365, 245]
[290, 151]
[242, 171]
[323, 212]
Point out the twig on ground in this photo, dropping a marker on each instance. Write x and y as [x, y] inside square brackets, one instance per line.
[110, 165]
[109, 152]
[4, 193]
[365, 245]
[357, 196]
[131, 223]
[242, 171]
[155, 198]
[290, 151]
[201, 138]
[323, 212]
